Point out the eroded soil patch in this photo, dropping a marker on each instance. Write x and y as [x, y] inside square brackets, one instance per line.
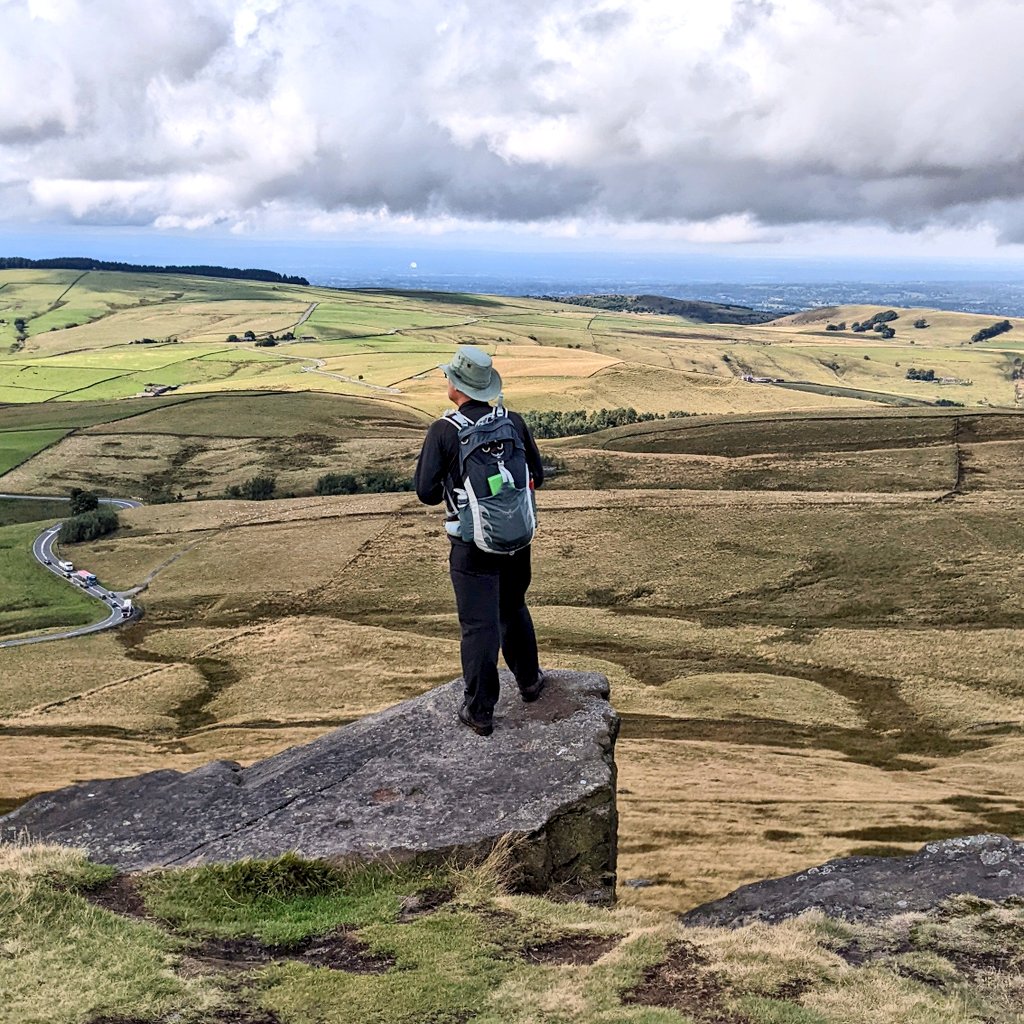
[683, 983]
[571, 949]
[337, 950]
[424, 902]
[120, 895]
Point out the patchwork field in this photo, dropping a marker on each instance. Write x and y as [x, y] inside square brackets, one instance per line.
[802, 673]
[79, 340]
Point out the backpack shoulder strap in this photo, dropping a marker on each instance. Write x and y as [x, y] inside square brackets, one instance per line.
[457, 419]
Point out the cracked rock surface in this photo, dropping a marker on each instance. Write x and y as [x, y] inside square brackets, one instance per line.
[409, 781]
[873, 888]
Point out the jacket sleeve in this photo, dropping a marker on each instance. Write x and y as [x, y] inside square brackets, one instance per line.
[432, 466]
[533, 458]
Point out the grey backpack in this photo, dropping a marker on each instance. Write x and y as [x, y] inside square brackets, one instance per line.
[495, 504]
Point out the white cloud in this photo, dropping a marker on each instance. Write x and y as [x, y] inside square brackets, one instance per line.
[731, 119]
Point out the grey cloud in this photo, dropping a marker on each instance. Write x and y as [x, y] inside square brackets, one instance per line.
[647, 111]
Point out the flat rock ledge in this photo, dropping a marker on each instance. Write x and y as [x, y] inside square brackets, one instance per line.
[408, 782]
[873, 888]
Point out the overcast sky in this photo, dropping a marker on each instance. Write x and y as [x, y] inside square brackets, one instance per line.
[850, 127]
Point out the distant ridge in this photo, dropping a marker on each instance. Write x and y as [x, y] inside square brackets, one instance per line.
[704, 312]
[199, 270]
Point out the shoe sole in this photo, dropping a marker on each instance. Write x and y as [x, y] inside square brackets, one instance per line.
[480, 730]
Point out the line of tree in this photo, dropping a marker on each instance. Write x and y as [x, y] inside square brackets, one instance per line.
[269, 340]
[553, 423]
[991, 332]
[193, 270]
[374, 481]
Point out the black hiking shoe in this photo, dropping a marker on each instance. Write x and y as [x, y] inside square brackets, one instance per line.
[531, 693]
[479, 727]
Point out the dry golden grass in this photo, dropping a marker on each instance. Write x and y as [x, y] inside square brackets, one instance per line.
[887, 470]
[145, 702]
[802, 675]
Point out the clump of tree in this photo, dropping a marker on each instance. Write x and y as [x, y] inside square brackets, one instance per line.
[920, 323]
[949, 403]
[836, 327]
[919, 374]
[266, 343]
[257, 488]
[991, 332]
[144, 341]
[82, 501]
[875, 322]
[88, 525]
[579, 421]
[372, 481]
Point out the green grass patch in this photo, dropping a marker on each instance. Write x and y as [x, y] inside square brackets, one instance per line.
[280, 901]
[64, 961]
[16, 446]
[13, 511]
[31, 597]
[485, 956]
[18, 396]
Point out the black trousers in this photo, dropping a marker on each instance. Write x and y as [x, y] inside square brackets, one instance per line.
[490, 593]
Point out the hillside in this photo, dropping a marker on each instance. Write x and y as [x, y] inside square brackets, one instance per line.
[809, 607]
[199, 270]
[74, 336]
[690, 309]
[814, 624]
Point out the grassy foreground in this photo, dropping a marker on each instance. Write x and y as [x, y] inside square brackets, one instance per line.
[294, 942]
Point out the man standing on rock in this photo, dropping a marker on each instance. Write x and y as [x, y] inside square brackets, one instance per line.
[483, 463]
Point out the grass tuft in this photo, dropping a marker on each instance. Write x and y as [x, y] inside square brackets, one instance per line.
[281, 901]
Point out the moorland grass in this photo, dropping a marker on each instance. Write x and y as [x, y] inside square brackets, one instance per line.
[18, 446]
[66, 961]
[284, 900]
[470, 950]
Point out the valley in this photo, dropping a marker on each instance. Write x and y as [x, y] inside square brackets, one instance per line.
[809, 606]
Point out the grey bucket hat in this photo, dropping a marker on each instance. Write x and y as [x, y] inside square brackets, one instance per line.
[473, 374]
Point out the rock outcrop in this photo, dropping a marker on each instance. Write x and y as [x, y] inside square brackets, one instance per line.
[406, 782]
[873, 888]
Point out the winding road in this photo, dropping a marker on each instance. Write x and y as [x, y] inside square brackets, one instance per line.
[42, 549]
